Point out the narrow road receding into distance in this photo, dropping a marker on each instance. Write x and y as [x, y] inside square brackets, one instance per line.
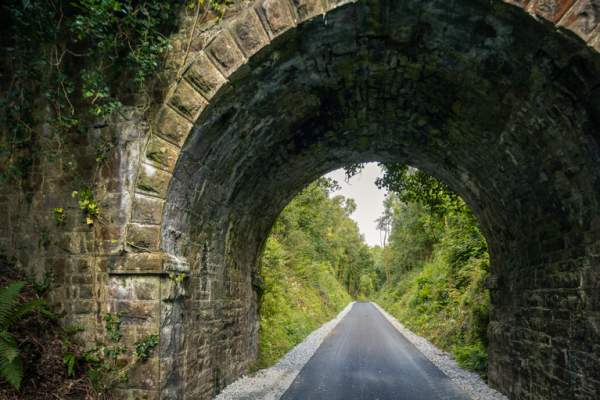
[366, 358]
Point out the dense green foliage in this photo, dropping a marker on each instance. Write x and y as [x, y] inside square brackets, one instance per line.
[432, 271]
[314, 256]
[430, 274]
[67, 65]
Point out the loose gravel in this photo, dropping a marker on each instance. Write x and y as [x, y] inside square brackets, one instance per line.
[271, 383]
[468, 381]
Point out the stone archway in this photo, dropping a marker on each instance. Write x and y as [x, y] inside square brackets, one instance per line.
[500, 106]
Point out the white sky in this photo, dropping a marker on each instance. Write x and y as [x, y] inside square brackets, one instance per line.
[369, 199]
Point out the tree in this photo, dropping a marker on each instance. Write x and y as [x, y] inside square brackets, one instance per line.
[384, 223]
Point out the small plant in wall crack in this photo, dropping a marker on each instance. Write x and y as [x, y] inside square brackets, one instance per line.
[87, 204]
[177, 289]
[144, 347]
[177, 277]
[59, 216]
[113, 327]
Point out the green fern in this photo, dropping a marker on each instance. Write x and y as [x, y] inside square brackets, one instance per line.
[11, 311]
[8, 303]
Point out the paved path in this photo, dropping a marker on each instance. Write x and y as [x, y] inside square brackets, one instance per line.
[366, 358]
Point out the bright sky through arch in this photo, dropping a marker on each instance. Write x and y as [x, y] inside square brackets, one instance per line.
[369, 199]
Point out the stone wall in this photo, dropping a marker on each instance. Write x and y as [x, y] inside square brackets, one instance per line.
[498, 103]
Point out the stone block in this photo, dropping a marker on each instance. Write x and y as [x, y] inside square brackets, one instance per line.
[175, 264]
[86, 292]
[83, 306]
[150, 263]
[187, 101]
[144, 375]
[147, 210]
[109, 238]
[136, 312]
[118, 289]
[582, 18]
[225, 54]
[277, 15]
[153, 181]
[81, 279]
[147, 288]
[171, 126]
[249, 33]
[111, 208]
[136, 287]
[552, 10]
[161, 153]
[306, 9]
[143, 238]
[204, 76]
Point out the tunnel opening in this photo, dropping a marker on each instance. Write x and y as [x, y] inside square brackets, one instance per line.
[478, 94]
[388, 234]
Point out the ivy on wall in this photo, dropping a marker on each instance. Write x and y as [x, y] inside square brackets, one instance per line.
[67, 64]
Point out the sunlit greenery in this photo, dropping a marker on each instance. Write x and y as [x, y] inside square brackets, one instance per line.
[312, 259]
[430, 274]
[433, 269]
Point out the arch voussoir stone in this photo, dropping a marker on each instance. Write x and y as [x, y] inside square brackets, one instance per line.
[276, 15]
[583, 18]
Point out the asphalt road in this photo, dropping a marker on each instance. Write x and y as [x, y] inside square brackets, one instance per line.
[366, 358]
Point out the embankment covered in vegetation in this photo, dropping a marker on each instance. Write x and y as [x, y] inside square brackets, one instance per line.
[432, 271]
[312, 261]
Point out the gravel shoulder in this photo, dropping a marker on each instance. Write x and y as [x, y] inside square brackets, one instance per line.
[468, 381]
[271, 383]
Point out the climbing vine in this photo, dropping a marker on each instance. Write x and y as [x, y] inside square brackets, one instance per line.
[67, 65]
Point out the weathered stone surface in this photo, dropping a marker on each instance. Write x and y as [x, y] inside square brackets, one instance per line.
[225, 53]
[583, 18]
[187, 101]
[306, 9]
[136, 263]
[129, 287]
[147, 210]
[145, 375]
[249, 33]
[136, 312]
[143, 238]
[161, 153]
[204, 76]
[277, 15]
[152, 181]
[172, 127]
[552, 10]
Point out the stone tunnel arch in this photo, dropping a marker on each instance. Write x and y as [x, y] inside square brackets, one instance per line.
[502, 107]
